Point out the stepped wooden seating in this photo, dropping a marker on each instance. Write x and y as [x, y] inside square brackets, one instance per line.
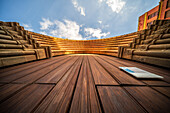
[17, 46]
[151, 46]
[108, 46]
[79, 83]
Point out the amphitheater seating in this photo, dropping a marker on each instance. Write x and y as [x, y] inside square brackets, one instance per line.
[59, 46]
[151, 46]
[17, 46]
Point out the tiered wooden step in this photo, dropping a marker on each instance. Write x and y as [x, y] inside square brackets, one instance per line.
[152, 46]
[16, 46]
[108, 46]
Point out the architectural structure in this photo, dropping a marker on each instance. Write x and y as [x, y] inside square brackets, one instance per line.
[127, 73]
[160, 12]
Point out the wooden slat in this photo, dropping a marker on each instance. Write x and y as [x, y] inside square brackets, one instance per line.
[100, 75]
[15, 69]
[55, 75]
[31, 67]
[116, 63]
[140, 65]
[163, 90]
[30, 72]
[81, 83]
[121, 76]
[85, 97]
[156, 82]
[149, 68]
[152, 101]
[59, 98]
[7, 90]
[40, 73]
[26, 100]
[115, 99]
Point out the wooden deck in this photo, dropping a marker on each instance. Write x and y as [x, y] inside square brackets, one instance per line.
[82, 84]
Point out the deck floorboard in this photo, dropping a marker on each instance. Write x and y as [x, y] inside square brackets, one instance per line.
[82, 84]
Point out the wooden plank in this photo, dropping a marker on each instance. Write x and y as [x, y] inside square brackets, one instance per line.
[7, 90]
[28, 72]
[139, 64]
[26, 100]
[115, 99]
[100, 75]
[59, 98]
[151, 100]
[163, 90]
[125, 63]
[85, 98]
[32, 77]
[156, 82]
[23, 67]
[121, 76]
[149, 68]
[55, 75]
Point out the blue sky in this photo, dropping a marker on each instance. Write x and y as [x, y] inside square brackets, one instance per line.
[76, 19]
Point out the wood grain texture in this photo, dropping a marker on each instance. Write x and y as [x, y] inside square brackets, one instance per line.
[150, 99]
[59, 98]
[115, 99]
[156, 82]
[121, 76]
[85, 98]
[100, 75]
[27, 66]
[9, 89]
[9, 77]
[153, 69]
[164, 90]
[80, 83]
[40, 73]
[26, 100]
[125, 63]
[55, 75]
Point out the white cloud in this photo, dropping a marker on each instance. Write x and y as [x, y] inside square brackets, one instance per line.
[45, 24]
[43, 32]
[100, 22]
[91, 32]
[100, 1]
[105, 26]
[79, 8]
[115, 5]
[67, 29]
[71, 30]
[27, 27]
